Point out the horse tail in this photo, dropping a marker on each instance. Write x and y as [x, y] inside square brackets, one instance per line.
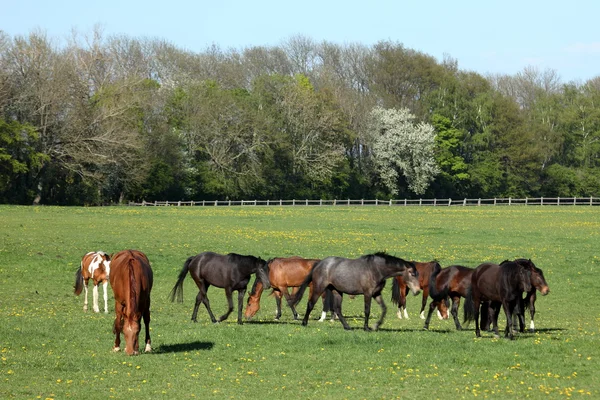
[78, 281]
[469, 306]
[328, 301]
[132, 287]
[298, 296]
[177, 290]
[434, 292]
[395, 291]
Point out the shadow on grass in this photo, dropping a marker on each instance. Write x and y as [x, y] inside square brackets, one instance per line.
[183, 347]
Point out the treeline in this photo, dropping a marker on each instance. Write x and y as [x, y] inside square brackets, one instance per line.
[101, 120]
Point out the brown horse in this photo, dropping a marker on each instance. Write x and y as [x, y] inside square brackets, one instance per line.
[538, 282]
[452, 282]
[95, 266]
[284, 273]
[400, 290]
[131, 281]
[501, 285]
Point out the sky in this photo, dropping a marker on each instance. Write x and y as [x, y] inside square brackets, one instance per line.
[485, 36]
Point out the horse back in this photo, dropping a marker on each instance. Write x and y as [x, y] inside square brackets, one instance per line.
[290, 271]
[131, 280]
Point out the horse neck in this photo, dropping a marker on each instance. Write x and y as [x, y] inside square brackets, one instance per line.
[256, 291]
[389, 270]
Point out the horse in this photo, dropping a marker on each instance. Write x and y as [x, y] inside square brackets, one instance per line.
[95, 266]
[452, 282]
[365, 275]
[400, 290]
[230, 272]
[131, 280]
[538, 282]
[284, 273]
[501, 285]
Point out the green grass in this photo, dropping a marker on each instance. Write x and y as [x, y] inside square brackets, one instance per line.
[50, 348]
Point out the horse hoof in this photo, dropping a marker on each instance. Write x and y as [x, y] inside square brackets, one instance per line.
[399, 314]
[116, 349]
[304, 323]
[148, 348]
[84, 308]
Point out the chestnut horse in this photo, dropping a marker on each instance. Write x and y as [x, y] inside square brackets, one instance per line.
[284, 273]
[452, 282]
[95, 266]
[131, 281]
[365, 275]
[400, 290]
[230, 272]
[501, 285]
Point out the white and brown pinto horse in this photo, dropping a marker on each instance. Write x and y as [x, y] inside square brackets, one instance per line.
[95, 266]
[131, 281]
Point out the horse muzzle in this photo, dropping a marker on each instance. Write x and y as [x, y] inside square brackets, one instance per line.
[545, 290]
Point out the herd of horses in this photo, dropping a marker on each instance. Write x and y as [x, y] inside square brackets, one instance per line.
[485, 288]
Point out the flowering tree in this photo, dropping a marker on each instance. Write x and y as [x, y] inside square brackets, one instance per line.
[401, 146]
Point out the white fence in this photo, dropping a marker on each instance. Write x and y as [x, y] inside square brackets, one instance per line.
[531, 201]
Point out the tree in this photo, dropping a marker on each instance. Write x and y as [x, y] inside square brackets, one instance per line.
[401, 146]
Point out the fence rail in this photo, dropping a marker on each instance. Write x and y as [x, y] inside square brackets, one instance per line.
[508, 201]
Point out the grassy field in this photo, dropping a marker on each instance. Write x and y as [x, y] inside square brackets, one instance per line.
[50, 348]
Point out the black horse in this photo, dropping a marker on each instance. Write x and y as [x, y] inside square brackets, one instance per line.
[230, 272]
[538, 282]
[365, 275]
[501, 285]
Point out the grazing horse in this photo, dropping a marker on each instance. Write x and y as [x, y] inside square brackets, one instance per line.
[365, 275]
[452, 282]
[538, 282]
[230, 272]
[400, 290]
[501, 285]
[284, 273]
[95, 266]
[131, 281]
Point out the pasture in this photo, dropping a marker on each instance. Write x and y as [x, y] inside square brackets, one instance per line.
[51, 348]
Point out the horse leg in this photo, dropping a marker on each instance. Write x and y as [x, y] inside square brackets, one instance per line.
[402, 303]
[118, 325]
[105, 286]
[85, 287]
[95, 297]
[379, 301]
[476, 305]
[508, 308]
[494, 312]
[241, 294]
[367, 311]
[229, 305]
[337, 308]
[531, 312]
[288, 298]
[424, 302]
[146, 316]
[432, 306]
[278, 304]
[312, 300]
[454, 312]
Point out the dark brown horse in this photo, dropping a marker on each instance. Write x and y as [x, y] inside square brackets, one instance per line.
[131, 282]
[230, 272]
[501, 285]
[284, 273]
[538, 282]
[365, 275]
[94, 266]
[400, 290]
[452, 282]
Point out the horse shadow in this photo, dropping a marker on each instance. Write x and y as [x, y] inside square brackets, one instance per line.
[184, 347]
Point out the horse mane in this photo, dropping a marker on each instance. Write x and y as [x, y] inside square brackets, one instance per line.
[235, 258]
[253, 290]
[382, 254]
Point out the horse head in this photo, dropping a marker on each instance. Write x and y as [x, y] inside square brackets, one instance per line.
[538, 281]
[411, 277]
[524, 278]
[131, 331]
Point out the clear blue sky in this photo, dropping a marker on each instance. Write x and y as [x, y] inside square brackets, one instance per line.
[484, 36]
